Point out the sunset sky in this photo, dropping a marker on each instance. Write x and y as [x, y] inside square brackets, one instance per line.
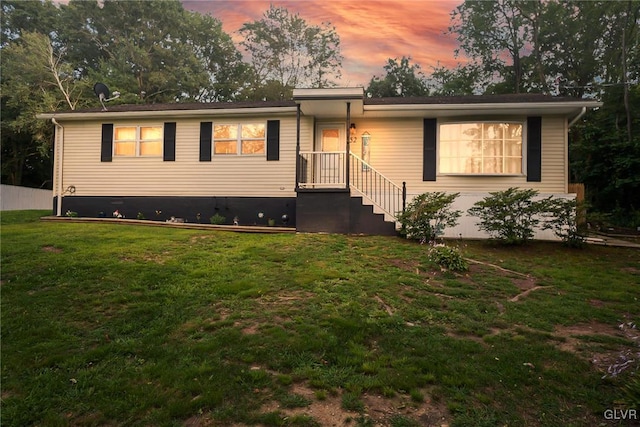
[370, 31]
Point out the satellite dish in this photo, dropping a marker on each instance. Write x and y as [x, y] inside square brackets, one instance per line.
[102, 92]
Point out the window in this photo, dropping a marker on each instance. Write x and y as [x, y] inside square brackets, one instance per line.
[137, 141]
[245, 139]
[481, 148]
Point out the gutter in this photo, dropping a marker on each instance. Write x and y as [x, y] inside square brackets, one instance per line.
[59, 128]
[101, 115]
[481, 106]
[576, 118]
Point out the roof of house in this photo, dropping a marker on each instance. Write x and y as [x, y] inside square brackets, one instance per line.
[323, 102]
[182, 106]
[516, 98]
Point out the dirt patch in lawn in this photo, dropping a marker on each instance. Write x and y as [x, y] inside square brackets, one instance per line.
[51, 249]
[611, 349]
[524, 282]
[195, 239]
[413, 267]
[379, 410]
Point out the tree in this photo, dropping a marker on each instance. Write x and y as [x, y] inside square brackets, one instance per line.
[461, 80]
[569, 45]
[35, 79]
[145, 50]
[20, 16]
[151, 51]
[283, 48]
[606, 161]
[402, 79]
[222, 61]
[570, 48]
[491, 32]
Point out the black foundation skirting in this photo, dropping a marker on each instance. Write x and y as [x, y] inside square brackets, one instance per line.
[282, 210]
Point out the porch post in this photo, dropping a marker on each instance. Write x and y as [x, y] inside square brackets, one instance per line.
[347, 159]
[297, 146]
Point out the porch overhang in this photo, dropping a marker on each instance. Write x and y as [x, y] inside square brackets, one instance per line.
[324, 103]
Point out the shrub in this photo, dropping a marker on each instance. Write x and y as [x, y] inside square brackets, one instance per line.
[428, 215]
[217, 219]
[448, 257]
[562, 219]
[510, 216]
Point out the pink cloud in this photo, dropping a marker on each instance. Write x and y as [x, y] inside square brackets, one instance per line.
[370, 31]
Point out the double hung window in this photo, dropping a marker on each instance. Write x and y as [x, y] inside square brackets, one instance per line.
[239, 139]
[137, 141]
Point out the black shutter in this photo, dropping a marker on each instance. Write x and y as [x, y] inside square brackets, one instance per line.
[106, 148]
[429, 150]
[534, 149]
[273, 140]
[169, 152]
[205, 141]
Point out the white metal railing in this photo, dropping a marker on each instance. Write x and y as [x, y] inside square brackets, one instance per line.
[380, 190]
[322, 169]
[328, 169]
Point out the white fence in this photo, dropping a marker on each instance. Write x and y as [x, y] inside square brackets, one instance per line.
[13, 198]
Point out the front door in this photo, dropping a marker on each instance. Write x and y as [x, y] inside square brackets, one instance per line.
[331, 161]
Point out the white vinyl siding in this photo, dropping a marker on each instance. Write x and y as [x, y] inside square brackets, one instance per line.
[240, 176]
[396, 148]
[396, 151]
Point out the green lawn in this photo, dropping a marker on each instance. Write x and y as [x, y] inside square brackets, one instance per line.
[108, 324]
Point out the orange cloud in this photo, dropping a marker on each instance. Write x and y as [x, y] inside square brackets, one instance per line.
[370, 31]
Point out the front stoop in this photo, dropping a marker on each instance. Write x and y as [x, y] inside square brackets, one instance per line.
[336, 211]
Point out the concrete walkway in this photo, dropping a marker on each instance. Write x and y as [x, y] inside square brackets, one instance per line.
[604, 240]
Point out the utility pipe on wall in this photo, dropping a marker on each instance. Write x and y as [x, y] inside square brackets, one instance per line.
[59, 136]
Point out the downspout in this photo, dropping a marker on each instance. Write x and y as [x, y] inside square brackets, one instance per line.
[58, 160]
[348, 156]
[578, 117]
[297, 147]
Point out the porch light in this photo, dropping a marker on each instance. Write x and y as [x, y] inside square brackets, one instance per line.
[352, 129]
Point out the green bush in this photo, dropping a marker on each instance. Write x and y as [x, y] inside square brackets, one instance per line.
[428, 215]
[217, 219]
[562, 220]
[510, 216]
[448, 257]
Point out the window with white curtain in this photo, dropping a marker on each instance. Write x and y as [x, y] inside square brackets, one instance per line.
[491, 148]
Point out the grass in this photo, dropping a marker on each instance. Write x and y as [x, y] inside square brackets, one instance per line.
[114, 324]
